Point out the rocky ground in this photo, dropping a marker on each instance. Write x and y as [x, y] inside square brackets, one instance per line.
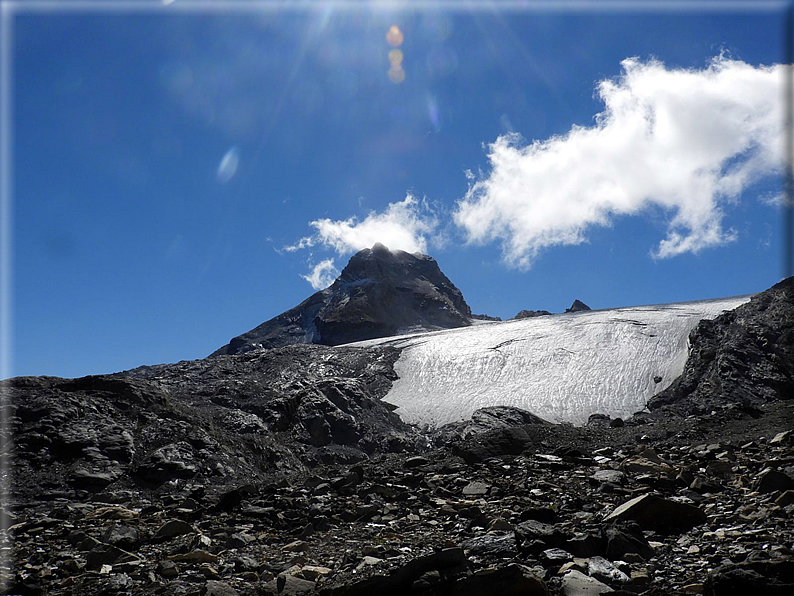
[283, 472]
[693, 506]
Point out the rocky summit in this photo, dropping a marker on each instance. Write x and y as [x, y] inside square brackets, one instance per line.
[283, 472]
[577, 306]
[380, 293]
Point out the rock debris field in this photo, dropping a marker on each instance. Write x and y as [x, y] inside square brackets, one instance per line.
[651, 509]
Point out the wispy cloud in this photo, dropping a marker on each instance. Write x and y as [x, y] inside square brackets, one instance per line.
[404, 225]
[227, 167]
[323, 274]
[684, 141]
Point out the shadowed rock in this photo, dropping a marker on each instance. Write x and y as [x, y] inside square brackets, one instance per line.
[577, 306]
[655, 513]
[744, 356]
[380, 293]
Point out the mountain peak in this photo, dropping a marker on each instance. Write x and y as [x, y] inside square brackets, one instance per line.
[378, 294]
[577, 306]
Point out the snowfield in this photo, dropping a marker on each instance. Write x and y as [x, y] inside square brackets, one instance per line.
[561, 367]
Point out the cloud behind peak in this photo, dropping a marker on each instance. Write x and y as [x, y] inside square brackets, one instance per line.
[404, 225]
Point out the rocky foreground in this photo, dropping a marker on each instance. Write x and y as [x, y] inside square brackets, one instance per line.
[702, 505]
[283, 472]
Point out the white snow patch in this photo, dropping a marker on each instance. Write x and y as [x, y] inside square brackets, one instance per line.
[561, 367]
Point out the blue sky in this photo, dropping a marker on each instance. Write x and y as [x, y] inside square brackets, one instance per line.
[168, 163]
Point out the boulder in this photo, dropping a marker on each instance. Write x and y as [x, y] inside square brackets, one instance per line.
[576, 583]
[652, 512]
[770, 578]
[621, 538]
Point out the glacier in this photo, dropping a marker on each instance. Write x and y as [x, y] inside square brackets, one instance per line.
[561, 367]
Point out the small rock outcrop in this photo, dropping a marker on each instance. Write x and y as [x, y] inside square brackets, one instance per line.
[380, 293]
[528, 314]
[485, 318]
[577, 306]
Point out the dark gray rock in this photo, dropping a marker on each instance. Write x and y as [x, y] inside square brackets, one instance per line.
[125, 537]
[770, 578]
[744, 357]
[770, 480]
[219, 588]
[612, 476]
[547, 515]
[599, 420]
[577, 306]
[485, 318]
[576, 583]
[107, 554]
[585, 546]
[490, 545]
[476, 489]
[528, 314]
[512, 580]
[555, 557]
[399, 581]
[604, 571]
[288, 585]
[490, 432]
[497, 443]
[652, 512]
[380, 293]
[535, 537]
[175, 460]
[172, 528]
[167, 569]
[622, 538]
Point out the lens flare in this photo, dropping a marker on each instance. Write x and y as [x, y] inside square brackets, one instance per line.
[394, 37]
[396, 75]
[396, 58]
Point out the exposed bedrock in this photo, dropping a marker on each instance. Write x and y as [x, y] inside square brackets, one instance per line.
[380, 293]
[743, 357]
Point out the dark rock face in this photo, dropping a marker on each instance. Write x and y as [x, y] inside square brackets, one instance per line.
[577, 306]
[528, 314]
[485, 318]
[380, 293]
[226, 417]
[743, 357]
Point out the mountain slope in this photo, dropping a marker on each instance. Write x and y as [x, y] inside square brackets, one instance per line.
[380, 293]
[562, 368]
[745, 356]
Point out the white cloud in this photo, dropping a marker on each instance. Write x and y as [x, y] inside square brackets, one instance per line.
[686, 141]
[306, 242]
[323, 274]
[402, 226]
